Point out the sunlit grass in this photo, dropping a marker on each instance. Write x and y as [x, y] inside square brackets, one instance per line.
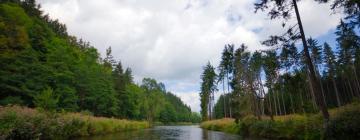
[344, 123]
[226, 125]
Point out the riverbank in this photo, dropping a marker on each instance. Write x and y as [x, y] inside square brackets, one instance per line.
[344, 124]
[175, 124]
[25, 123]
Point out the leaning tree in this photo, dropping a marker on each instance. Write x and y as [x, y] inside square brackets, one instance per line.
[284, 9]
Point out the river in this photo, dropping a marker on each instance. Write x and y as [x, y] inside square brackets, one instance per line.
[167, 133]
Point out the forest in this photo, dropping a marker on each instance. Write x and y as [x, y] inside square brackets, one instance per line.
[42, 66]
[288, 78]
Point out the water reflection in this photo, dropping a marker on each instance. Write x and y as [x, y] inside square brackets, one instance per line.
[167, 133]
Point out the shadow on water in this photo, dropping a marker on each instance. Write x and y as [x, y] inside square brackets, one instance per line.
[167, 133]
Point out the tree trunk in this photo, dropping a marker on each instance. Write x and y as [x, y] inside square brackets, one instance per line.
[224, 100]
[312, 92]
[283, 103]
[314, 81]
[279, 104]
[336, 91]
[229, 99]
[357, 81]
[275, 103]
[262, 91]
[255, 104]
[292, 103]
[270, 105]
[302, 101]
[321, 84]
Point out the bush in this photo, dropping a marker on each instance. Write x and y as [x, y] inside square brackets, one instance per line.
[12, 100]
[245, 124]
[345, 123]
[46, 100]
[283, 127]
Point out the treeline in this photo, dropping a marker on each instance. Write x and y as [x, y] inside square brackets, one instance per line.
[42, 66]
[278, 81]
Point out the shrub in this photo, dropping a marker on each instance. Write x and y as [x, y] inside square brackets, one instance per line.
[46, 99]
[344, 123]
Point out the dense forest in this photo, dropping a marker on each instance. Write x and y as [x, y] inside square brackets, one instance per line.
[288, 77]
[41, 65]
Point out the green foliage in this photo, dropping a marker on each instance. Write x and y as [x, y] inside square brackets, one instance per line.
[345, 123]
[10, 100]
[46, 99]
[208, 87]
[24, 123]
[42, 66]
[225, 125]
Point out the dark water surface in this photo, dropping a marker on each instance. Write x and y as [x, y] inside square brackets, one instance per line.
[167, 133]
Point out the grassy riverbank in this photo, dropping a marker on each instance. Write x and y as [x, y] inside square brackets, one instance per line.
[25, 123]
[344, 124]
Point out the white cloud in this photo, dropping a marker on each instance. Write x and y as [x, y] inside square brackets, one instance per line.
[172, 40]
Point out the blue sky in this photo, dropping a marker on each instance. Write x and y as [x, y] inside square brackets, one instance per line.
[172, 40]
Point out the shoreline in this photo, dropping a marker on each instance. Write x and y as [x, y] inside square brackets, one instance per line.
[295, 126]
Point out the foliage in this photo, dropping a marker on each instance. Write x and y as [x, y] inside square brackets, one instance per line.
[225, 125]
[42, 66]
[25, 123]
[343, 125]
[46, 100]
[208, 87]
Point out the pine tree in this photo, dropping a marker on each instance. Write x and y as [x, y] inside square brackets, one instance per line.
[283, 9]
[208, 87]
[330, 60]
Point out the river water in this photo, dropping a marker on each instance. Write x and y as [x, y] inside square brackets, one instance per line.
[167, 133]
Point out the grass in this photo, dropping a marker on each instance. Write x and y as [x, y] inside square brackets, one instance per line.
[344, 124]
[226, 125]
[25, 123]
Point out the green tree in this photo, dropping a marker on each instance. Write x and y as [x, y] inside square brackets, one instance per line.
[46, 99]
[330, 60]
[282, 9]
[208, 87]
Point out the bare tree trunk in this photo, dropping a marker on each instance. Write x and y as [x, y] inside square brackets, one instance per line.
[255, 104]
[321, 84]
[350, 88]
[275, 103]
[229, 99]
[209, 107]
[270, 105]
[224, 101]
[283, 103]
[292, 104]
[291, 99]
[315, 83]
[346, 91]
[279, 104]
[357, 81]
[312, 92]
[336, 92]
[302, 101]
[262, 91]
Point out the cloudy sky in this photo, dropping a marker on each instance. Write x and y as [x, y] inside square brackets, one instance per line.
[171, 40]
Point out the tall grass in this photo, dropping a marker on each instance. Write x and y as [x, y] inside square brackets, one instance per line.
[344, 124]
[24, 123]
[226, 125]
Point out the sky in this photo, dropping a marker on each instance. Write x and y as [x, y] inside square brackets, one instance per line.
[171, 40]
